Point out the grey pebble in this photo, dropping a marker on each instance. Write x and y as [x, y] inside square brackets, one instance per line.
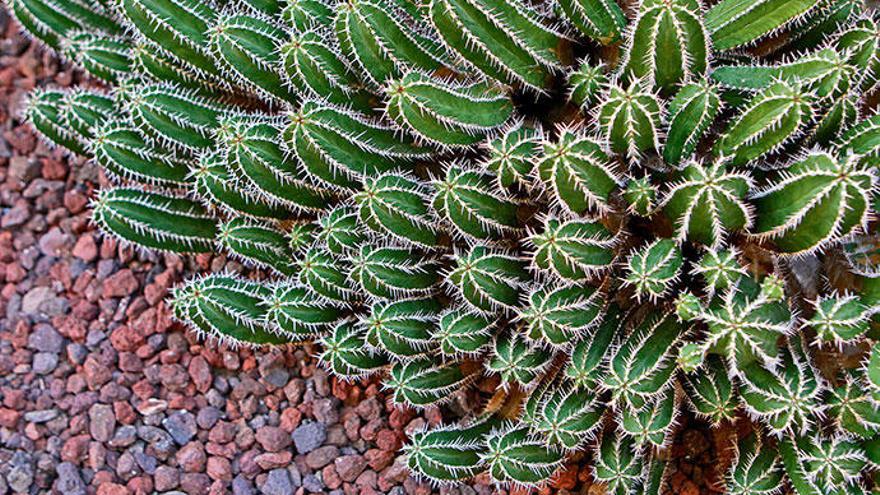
[309, 436]
[45, 362]
[242, 486]
[277, 483]
[44, 338]
[21, 475]
[69, 481]
[312, 484]
[181, 425]
[41, 416]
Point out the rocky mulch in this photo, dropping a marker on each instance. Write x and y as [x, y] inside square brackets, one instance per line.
[101, 392]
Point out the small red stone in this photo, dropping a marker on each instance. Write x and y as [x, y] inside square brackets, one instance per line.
[85, 248]
[388, 440]
[290, 419]
[272, 460]
[124, 338]
[124, 412]
[53, 169]
[273, 439]
[15, 272]
[143, 389]
[566, 479]
[75, 448]
[140, 485]
[192, 458]
[120, 284]
[112, 489]
[219, 469]
[9, 418]
[379, 459]
[75, 201]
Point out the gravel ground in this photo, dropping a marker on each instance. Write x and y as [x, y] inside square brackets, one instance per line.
[101, 392]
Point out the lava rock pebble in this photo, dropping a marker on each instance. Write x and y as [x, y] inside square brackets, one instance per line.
[309, 436]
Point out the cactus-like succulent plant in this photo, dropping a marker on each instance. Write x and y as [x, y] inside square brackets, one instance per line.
[693, 109]
[618, 463]
[291, 310]
[831, 463]
[472, 206]
[45, 111]
[515, 455]
[825, 72]
[641, 368]
[652, 425]
[843, 188]
[853, 408]
[711, 391]
[557, 316]
[502, 40]
[744, 327]
[668, 44]
[246, 45]
[510, 155]
[215, 184]
[573, 250]
[125, 153]
[314, 68]
[390, 272]
[756, 470]
[445, 113]
[586, 82]
[787, 400]
[346, 354]
[584, 365]
[566, 416]
[338, 148]
[708, 202]
[640, 195]
[488, 280]
[258, 243]
[181, 118]
[719, 269]
[770, 120]
[630, 118]
[155, 221]
[103, 56]
[653, 269]
[517, 361]
[616, 218]
[732, 23]
[423, 382]
[450, 453]
[54, 21]
[462, 332]
[577, 172]
[601, 20]
[227, 309]
[402, 328]
[397, 205]
[381, 39]
[256, 157]
[840, 319]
